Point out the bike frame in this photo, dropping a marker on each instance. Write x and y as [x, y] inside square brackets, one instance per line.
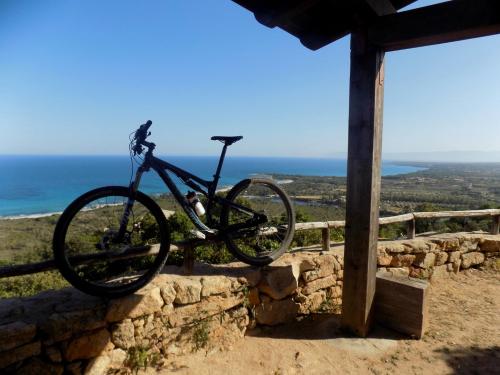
[207, 188]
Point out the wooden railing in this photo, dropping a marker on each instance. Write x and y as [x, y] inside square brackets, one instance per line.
[324, 226]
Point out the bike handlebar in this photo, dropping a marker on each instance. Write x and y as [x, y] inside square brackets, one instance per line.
[140, 137]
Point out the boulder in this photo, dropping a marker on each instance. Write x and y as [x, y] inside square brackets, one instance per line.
[280, 282]
[472, 259]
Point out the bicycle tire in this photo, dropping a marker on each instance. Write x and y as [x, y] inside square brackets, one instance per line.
[81, 225]
[264, 243]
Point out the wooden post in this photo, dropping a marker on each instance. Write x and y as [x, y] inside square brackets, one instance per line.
[188, 259]
[410, 229]
[325, 239]
[495, 225]
[363, 183]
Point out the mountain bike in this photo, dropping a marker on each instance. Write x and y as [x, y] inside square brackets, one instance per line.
[113, 240]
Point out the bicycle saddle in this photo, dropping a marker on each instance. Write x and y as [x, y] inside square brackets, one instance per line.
[227, 140]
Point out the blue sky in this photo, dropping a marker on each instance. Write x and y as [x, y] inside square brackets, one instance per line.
[76, 77]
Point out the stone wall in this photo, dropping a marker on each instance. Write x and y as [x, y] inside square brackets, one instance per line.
[67, 331]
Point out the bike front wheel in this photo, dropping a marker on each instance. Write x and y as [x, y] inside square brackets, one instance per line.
[110, 243]
[258, 244]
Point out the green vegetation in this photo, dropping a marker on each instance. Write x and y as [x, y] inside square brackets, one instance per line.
[139, 357]
[201, 335]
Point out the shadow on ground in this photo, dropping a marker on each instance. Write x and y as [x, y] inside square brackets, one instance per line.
[472, 360]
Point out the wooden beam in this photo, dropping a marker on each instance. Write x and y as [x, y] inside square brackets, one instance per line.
[287, 10]
[450, 21]
[363, 183]
[381, 7]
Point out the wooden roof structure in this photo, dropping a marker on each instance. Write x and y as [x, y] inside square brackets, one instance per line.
[376, 27]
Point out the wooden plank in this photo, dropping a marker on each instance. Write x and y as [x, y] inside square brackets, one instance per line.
[285, 11]
[381, 7]
[402, 304]
[336, 224]
[310, 225]
[448, 214]
[395, 219]
[363, 183]
[450, 21]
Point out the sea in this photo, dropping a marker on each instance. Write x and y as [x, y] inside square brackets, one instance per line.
[33, 186]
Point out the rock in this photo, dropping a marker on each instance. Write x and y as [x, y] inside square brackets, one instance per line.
[454, 256]
[472, 259]
[16, 334]
[400, 271]
[420, 273]
[326, 265]
[490, 245]
[384, 259]
[18, 354]
[53, 353]
[340, 275]
[391, 247]
[322, 283]
[98, 365]
[74, 368]
[417, 246]
[144, 302]
[37, 366]
[122, 334]
[315, 300]
[276, 312]
[87, 346]
[188, 291]
[213, 305]
[446, 244]
[441, 258]
[117, 357]
[61, 326]
[439, 272]
[253, 298]
[280, 282]
[425, 260]
[212, 285]
[168, 293]
[402, 260]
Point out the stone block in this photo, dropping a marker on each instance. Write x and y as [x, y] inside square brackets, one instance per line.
[400, 260]
[280, 282]
[98, 365]
[61, 326]
[187, 291]
[318, 284]
[274, 312]
[20, 353]
[144, 302]
[122, 334]
[384, 260]
[441, 258]
[16, 334]
[168, 293]
[490, 245]
[454, 256]
[88, 346]
[212, 285]
[472, 259]
[425, 260]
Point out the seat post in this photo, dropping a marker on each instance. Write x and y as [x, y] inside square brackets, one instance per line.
[219, 166]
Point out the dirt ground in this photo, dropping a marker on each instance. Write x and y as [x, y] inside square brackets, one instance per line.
[463, 338]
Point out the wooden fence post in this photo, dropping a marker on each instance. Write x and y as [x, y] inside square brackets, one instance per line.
[325, 239]
[410, 229]
[495, 225]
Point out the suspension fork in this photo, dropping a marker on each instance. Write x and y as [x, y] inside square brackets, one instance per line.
[134, 187]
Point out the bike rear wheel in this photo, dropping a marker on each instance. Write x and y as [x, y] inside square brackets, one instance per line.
[259, 244]
[99, 259]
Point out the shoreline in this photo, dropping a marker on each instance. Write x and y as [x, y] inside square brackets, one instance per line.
[30, 216]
